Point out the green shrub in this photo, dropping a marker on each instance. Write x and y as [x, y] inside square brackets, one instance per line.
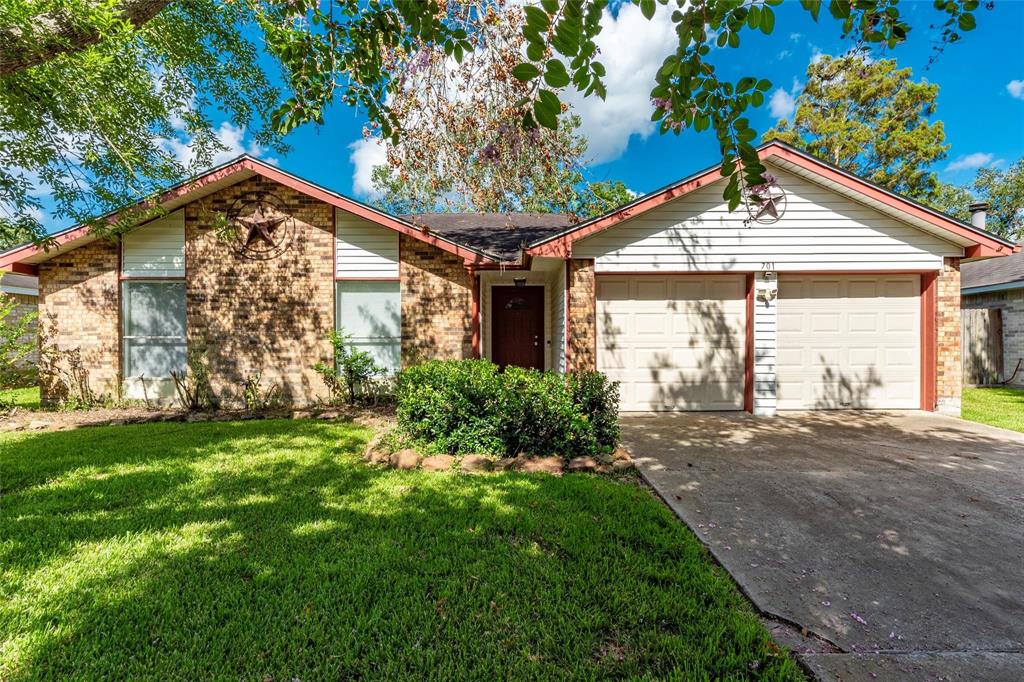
[597, 397]
[464, 406]
[352, 376]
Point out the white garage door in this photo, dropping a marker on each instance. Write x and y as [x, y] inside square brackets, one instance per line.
[674, 342]
[849, 342]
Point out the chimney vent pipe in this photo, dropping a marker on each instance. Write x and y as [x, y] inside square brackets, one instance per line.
[978, 210]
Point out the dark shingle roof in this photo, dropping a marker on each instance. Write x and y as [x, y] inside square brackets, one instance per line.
[501, 235]
[984, 273]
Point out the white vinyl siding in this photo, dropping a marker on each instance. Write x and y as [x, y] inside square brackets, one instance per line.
[765, 335]
[673, 342]
[849, 342]
[371, 313]
[362, 249]
[820, 230]
[154, 329]
[155, 249]
[557, 291]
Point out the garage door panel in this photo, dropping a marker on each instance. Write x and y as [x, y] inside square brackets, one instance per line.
[651, 290]
[647, 324]
[673, 342]
[845, 342]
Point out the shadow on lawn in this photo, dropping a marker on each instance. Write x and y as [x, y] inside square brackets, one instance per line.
[265, 549]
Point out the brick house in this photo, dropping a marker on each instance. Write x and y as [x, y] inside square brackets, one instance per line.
[999, 284]
[847, 297]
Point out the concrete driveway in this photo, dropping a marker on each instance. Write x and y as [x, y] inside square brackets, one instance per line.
[895, 541]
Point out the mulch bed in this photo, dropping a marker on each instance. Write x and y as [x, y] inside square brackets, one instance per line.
[63, 420]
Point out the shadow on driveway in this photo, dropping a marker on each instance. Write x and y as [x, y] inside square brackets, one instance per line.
[899, 538]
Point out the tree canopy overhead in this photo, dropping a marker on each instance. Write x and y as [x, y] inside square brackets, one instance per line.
[869, 118]
[88, 90]
[1003, 190]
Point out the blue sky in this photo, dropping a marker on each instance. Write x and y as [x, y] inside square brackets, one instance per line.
[981, 98]
[984, 122]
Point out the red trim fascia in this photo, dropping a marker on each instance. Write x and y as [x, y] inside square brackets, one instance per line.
[982, 247]
[562, 246]
[360, 210]
[73, 234]
[748, 365]
[24, 269]
[929, 367]
[270, 173]
[474, 311]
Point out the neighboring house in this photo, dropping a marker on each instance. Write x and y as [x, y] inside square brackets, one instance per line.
[850, 299]
[24, 289]
[999, 284]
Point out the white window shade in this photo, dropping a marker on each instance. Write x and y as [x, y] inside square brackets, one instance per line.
[154, 329]
[371, 313]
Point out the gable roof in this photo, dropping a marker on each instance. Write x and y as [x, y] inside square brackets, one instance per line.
[23, 259]
[993, 275]
[976, 243]
[502, 238]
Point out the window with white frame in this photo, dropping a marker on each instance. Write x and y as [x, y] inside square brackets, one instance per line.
[154, 328]
[371, 313]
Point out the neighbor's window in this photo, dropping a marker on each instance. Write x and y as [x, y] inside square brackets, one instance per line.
[154, 329]
[370, 311]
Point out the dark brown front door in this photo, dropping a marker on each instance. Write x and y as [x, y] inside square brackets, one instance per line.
[517, 325]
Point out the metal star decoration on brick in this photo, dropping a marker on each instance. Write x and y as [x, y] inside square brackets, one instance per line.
[262, 226]
[262, 223]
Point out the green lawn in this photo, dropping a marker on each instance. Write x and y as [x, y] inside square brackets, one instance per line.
[1003, 407]
[22, 397]
[267, 549]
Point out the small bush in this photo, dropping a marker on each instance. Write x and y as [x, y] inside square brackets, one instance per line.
[470, 406]
[352, 376]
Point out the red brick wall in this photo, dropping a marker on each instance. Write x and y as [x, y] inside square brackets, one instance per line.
[436, 303]
[79, 308]
[582, 329]
[271, 315]
[949, 379]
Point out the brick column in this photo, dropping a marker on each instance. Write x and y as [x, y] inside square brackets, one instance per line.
[949, 371]
[79, 313]
[582, 331]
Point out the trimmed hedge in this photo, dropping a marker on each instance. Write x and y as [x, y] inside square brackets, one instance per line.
[470, 406]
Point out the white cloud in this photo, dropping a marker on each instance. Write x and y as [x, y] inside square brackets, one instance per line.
[782, 104]
[971, 161]
[1016, 89]
[231, 138]
[783, 54]
[367, 154]
[632, 50]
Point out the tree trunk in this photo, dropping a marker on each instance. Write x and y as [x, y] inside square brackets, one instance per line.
[55, 34]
